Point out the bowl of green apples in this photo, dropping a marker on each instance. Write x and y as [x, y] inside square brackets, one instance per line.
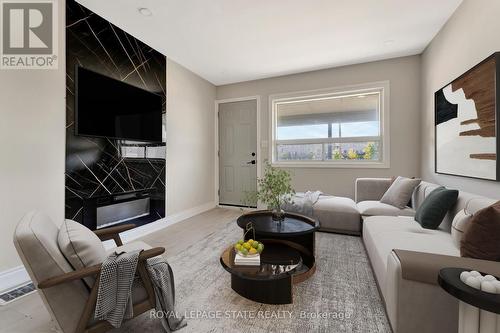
[249, 248]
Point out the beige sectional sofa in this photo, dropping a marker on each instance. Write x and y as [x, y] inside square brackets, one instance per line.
[407, 258]
[344, 215]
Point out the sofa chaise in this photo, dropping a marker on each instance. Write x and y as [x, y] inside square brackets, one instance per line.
[345, 215]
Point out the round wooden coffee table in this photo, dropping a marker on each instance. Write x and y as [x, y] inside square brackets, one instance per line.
[288, 257]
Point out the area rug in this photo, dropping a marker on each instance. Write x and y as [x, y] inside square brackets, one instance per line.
[340, 297]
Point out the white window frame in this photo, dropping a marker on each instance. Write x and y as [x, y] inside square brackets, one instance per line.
[381, 87]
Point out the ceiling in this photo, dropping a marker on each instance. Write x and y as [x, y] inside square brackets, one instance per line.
[228, 41]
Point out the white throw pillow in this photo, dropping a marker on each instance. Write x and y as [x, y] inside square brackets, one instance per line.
[80, 246]
[458, 226]
[400, 192]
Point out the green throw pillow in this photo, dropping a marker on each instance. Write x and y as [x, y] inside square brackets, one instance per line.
[434, 208]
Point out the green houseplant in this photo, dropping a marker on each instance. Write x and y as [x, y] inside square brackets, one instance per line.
[274, 190]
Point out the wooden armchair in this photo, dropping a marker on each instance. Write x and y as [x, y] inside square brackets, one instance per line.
[68, 299]
[113, 233]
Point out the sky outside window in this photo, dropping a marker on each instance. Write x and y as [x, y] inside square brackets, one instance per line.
[354, 129]
[364, 128]
[303, 132]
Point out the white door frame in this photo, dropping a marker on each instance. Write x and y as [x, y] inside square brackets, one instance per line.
[216, 153]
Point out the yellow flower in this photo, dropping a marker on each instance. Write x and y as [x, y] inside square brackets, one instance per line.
[352, 154]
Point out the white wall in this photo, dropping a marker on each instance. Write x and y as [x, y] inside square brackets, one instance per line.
[468, 37]
[32, 135]
[32, 132]
[190, 140]
[404, 76]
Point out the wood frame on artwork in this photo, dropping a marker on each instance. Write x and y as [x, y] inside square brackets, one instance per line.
[496, 89]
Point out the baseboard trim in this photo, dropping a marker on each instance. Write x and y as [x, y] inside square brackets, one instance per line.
[13, 278]
[18, 276]
[238, 208]
[144, 230]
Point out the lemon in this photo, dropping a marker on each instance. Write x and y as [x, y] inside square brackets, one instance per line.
[252, 251]
[250, 241]
[247, 246]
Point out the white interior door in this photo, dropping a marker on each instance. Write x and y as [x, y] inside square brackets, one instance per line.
[237, 152]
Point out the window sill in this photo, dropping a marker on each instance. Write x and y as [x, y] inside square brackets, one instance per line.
[333, 165]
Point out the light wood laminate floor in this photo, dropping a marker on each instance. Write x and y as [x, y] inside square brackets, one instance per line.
[28, 314]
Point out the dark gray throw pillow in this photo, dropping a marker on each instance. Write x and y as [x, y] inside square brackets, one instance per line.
[433, 209]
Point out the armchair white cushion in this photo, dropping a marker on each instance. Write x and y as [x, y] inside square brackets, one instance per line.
[80, 246]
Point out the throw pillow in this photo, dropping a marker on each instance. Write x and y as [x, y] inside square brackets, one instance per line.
[400, 192]
[481, 239]
[435, 206]
[80, 246]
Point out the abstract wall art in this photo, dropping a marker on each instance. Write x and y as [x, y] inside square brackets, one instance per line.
[467, 118]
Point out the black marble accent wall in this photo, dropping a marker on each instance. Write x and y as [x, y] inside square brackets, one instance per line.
[97, 168]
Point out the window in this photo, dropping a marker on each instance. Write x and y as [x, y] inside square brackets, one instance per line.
[337, 128]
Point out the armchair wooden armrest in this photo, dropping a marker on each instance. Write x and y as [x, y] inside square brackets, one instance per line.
[92, 270]
[113, 233]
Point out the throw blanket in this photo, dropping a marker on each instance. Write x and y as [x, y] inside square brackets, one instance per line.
[163, 284]
[114, 300]
[114, 297]
[303, 203]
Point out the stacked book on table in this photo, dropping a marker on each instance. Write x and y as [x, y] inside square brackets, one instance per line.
[246, 261]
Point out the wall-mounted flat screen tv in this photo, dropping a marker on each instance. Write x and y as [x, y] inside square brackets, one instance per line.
[105, 107]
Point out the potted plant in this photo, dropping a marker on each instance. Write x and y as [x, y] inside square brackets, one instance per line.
[274, 190]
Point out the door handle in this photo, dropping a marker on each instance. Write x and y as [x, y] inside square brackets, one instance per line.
[251, 162]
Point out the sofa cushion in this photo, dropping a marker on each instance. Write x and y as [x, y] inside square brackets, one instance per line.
[337, 214]
[382, 234]
[469, 201]
[400, 192]
[481, 239]
[371, 188]
[81, 247]
[377, 208]
[435, 207]
[460, 221]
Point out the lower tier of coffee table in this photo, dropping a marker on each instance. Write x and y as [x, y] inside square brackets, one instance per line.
[261, 284]
[276, 291]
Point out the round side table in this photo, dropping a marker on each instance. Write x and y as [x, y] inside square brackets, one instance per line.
[471, 302]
